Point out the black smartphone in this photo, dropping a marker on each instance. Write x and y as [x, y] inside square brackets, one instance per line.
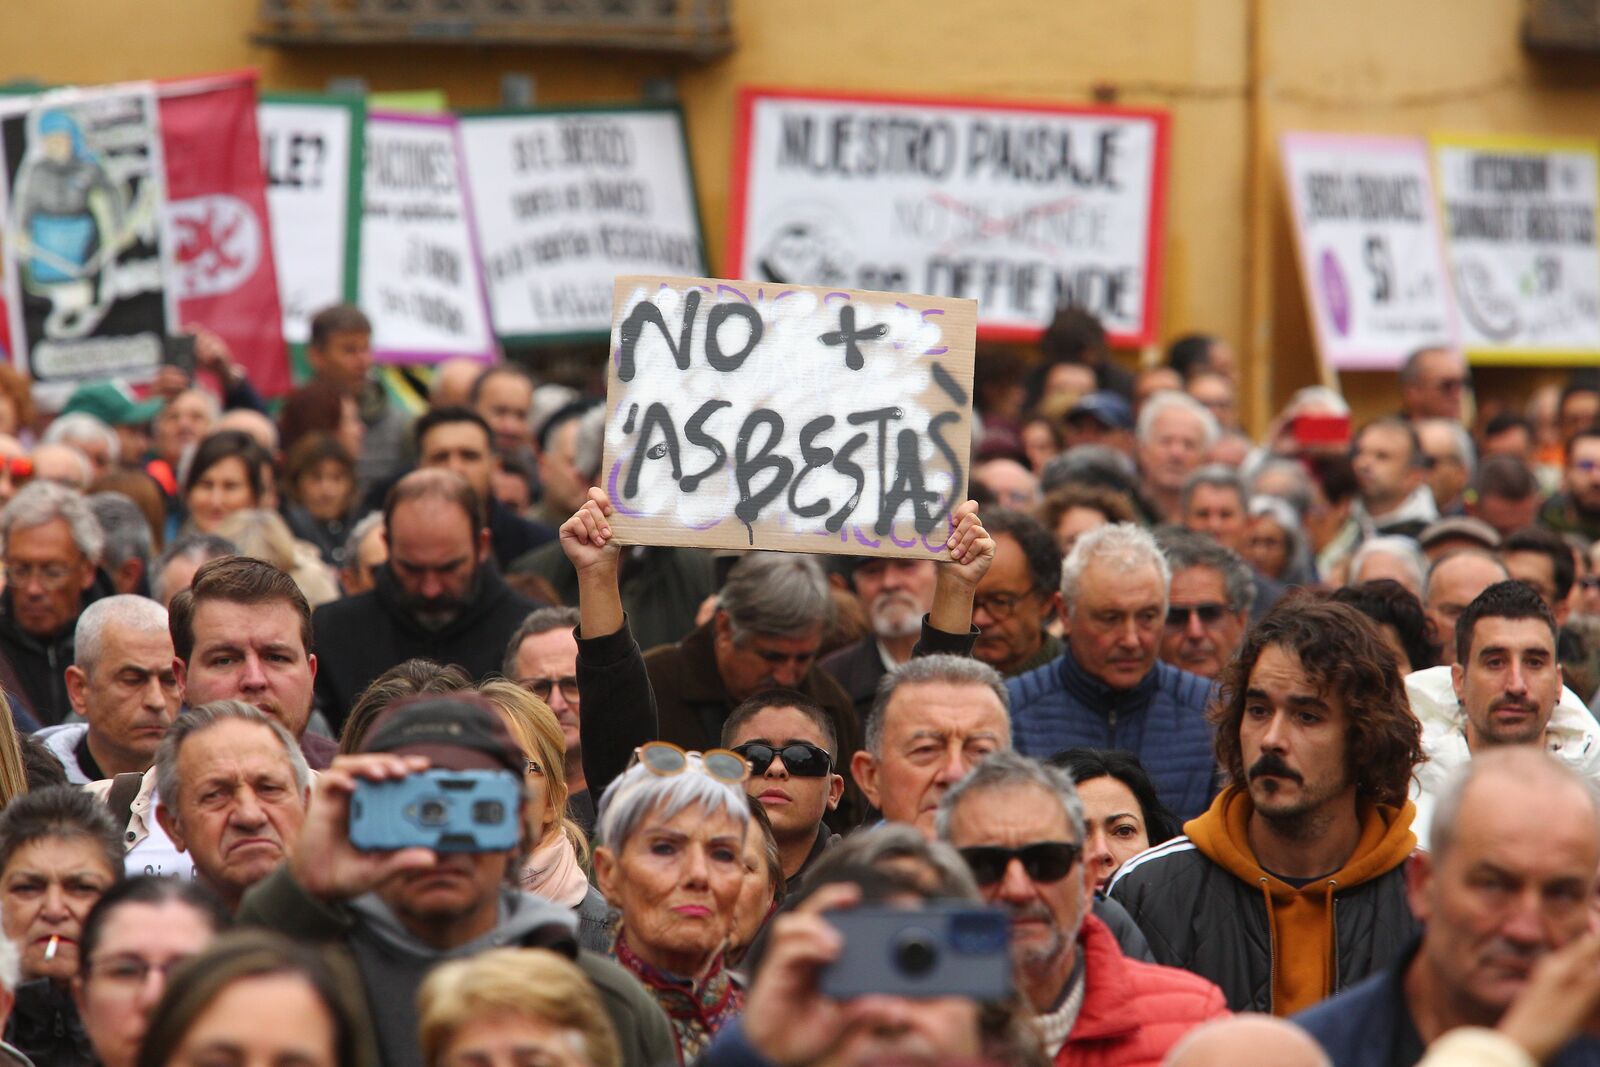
[936, 950]
[178, 351]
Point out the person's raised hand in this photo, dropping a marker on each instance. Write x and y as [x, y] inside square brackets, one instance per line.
[787, 1018]
[971, 547]
[169, 381]
[586, 537]
[324, 862]
[1561, 998]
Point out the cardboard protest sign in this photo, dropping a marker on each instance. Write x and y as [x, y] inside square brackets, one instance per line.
[753, 416]
[217, 225]
[311, 150]
[1024, 208]
[86, 263]
[566, 200]
[420, 272]
[1371, 259]
[1519, 217]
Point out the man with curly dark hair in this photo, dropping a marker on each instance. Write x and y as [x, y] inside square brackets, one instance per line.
[1291, 886]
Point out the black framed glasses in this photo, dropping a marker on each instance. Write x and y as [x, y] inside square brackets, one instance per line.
[543, 687]
[1001, 606]
[1210, 613]
[1042, 861]
[800, 758]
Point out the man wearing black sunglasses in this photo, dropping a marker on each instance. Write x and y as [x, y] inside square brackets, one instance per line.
[788, 740]
[1018, 824]
[1208, 602]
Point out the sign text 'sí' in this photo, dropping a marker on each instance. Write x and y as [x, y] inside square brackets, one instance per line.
[749, 415]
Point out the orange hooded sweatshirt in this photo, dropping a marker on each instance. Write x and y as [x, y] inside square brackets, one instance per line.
[1301, 920]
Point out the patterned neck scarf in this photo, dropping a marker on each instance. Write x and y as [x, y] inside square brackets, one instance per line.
[697, 1013]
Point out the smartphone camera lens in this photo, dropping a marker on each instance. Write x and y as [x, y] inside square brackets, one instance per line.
[915, 952]
[433, 812]
[489, 812]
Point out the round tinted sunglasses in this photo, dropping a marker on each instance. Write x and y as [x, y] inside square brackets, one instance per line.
[1043, 861]
[665, 759]
[800, 759]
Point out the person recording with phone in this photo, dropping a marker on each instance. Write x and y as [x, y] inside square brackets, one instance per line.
[1019, 826]
[398, 911]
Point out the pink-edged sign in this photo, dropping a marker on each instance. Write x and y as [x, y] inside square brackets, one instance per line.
[1023, 207]
[421, 276]
[1371, 259]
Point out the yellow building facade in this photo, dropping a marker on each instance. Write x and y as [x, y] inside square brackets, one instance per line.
[1233, 73]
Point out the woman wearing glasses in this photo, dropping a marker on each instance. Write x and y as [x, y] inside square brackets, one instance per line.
[138, 932]
[671, 860]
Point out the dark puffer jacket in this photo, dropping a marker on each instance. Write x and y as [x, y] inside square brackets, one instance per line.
[1199, 916]
[1162, 720]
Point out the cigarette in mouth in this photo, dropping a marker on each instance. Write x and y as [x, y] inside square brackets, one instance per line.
[50, 949]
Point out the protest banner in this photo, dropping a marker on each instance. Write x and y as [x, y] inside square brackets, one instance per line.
[217, 225]
[1371, 259]
[1519, 215]
[420, 272]
[311, 150]
[1024, 208]
[566, 200]
[755, 416]
[86, 263]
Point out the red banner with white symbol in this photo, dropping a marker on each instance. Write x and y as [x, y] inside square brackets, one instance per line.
[217, 222]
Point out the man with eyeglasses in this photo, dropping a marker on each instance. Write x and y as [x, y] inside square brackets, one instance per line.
[1019, 826]
[788, 740]
[542, 657]
[1017, 598]
[1208, 602]
[1576, 509]
[52, 546]
[1433, 384]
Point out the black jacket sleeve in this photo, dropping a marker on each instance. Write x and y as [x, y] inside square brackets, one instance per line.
[938, 643]
[618, 706]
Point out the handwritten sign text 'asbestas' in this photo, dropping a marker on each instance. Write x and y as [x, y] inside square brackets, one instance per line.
[749, 415]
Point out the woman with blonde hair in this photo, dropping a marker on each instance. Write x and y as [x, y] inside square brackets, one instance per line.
[509, 1000]
[555, 866]
[261, 533]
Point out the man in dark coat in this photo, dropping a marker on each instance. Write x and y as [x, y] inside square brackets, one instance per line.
[52, 546]
[439, 595]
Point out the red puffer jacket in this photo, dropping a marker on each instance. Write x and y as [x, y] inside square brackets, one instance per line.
[1132, 1012]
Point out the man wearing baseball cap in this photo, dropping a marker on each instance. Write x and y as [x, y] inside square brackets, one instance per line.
[114, 405]
[400, 913]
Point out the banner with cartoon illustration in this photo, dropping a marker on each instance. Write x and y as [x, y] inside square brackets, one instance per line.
[566, 200]
[1519, 220]
[1022, 207]
[84, 188]
[1371, 260]
[217, 225]
[311, 151]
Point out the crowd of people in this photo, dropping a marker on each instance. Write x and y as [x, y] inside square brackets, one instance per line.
[1266, 750]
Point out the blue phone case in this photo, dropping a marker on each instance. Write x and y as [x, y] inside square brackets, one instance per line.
[447, 811]
[941, 949]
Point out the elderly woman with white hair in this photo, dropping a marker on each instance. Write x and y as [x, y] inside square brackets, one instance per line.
[671, 860]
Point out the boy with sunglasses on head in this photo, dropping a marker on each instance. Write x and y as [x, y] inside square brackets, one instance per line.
[789, 742]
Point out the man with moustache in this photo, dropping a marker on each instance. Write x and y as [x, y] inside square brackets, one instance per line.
[896, 594]
[1506, 690]
[1291, 887]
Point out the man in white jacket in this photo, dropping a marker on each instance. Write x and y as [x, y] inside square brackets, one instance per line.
[1505, 689]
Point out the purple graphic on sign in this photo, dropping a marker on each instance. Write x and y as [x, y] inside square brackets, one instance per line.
[1336, 295]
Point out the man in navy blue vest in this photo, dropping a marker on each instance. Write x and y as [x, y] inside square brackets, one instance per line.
[1515, 846]
[1108, 689]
